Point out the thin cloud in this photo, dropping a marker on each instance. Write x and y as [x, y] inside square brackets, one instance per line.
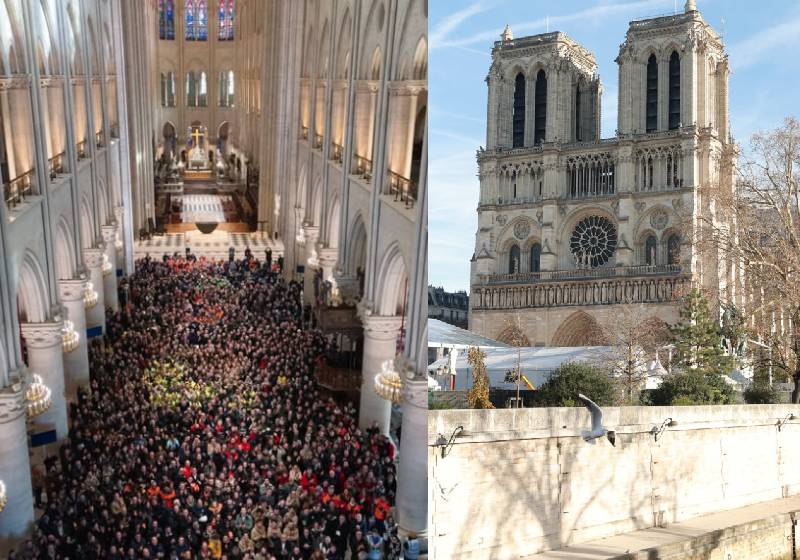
[451, 22]
[765, 43]
[601, 11]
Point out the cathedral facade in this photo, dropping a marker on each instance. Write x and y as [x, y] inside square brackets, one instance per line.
[571, 225]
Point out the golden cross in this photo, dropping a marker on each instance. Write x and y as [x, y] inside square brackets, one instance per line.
[196, 135]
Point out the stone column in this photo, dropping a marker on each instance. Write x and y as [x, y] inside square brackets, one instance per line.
[76, 363]
[110, 267]
[45, 357]
[311, 235]
[96, 316]
[380, 345]
[15, 470]
[327, 257]
[412, 496]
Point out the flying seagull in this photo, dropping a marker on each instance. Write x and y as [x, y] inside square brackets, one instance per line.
[598, 430]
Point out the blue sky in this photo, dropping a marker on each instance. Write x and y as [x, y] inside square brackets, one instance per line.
[762, 39]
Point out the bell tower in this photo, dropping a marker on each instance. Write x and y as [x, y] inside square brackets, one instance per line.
[673, 73]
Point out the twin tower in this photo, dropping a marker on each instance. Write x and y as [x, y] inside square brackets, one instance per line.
[572, 225]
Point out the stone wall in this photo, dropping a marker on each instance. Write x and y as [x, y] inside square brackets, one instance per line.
[518, 482]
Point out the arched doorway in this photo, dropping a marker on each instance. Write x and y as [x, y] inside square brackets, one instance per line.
[579, 329]
[170, 141]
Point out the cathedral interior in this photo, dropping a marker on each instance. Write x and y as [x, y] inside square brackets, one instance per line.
[227, 129]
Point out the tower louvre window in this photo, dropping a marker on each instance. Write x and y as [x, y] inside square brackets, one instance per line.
[578, 113]
[674, 91]
[652, 94]
[540, 108]
[519, 111]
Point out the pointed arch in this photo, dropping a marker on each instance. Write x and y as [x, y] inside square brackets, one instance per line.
[674, 90]
[511, 335]
[579, 329]
[540, 108]
[420, 71]
[357, 246]
[392, 286]
[334, 219]
[518, 117]
[32, 300]
[64, 250]
[651, 103]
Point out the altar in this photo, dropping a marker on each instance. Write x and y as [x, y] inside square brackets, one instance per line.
[197, 158]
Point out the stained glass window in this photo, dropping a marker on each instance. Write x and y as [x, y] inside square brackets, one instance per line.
[166, 19]
[196, 20]
[225, 20]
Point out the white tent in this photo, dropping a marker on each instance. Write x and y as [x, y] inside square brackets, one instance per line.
[537, 363]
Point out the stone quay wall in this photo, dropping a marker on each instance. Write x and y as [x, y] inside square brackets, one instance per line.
[518, 482]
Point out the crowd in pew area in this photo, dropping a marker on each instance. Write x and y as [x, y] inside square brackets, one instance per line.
[205, 436]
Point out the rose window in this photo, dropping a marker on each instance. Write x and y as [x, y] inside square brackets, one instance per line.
[593, 241]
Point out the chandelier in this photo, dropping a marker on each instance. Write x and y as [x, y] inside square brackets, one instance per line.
[70, 339]
[89, 296]
[3, 496]
[388, 384]
[107, 267]
[38, 396]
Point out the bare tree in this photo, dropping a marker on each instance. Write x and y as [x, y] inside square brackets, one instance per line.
[517, 339]
[754, 226]
[633, 337]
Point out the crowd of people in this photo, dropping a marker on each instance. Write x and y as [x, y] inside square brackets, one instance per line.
[204, 434]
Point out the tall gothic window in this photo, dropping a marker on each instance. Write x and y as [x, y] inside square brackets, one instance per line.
[513, 259]
[226, 88]
[202, 91]
[225, 20]
[652, 95]
[674, 249]
[578, 113]
[168, 89]
[519, 111]
[536, 257]
[166, 19]
[674, 91]
[650, 246]
[196, 20]
[540, 108]
[191, 90]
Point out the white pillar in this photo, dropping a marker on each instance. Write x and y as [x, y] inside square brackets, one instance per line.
[76, 363]
[15, 470]
[96, 316]
[327, 257]
[110, 275]
[311, 235]
[412, 496]
[45, 357]
[380, 345]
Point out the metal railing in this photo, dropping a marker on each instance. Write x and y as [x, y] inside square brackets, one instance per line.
[580, 274]
[317, 141]
[503, 201]
[403, 189]
[15, 191]
[82, 152]
[99, 139]
[56, 165]
[363, 166]
[337, 150]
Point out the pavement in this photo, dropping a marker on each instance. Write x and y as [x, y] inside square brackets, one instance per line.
[644, 539]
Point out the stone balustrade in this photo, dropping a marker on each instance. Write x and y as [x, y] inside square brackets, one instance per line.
[606, 290]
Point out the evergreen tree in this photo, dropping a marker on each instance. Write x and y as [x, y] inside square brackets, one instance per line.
[478, 395]
[698, 338]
